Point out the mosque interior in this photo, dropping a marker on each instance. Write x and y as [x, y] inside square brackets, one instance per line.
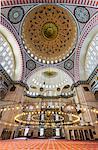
[49, 70]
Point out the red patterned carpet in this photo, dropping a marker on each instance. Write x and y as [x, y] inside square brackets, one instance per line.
[45, 144]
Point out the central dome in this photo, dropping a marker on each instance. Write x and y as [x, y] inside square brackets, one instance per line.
[49, 33]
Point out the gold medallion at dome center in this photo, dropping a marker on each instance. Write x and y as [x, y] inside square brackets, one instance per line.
[50, 31]
[50, 74]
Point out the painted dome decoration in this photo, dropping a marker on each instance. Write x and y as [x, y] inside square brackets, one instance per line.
[49, 33]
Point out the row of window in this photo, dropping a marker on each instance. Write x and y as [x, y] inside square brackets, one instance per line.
[6, 56]
[92, 56]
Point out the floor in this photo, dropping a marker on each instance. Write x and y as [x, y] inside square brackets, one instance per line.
[47, 144]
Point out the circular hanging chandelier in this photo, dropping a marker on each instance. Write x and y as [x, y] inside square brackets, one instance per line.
[22, 111]
[35, 118]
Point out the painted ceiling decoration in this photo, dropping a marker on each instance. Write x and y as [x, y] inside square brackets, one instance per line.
[82, 14]
[80, 2]
[69, 64]
[15, 14]
[50, 35]
[30, 64]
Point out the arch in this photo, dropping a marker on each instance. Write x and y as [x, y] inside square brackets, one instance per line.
[10, 54]
[89, 55]
[87, 35]
[91, 60]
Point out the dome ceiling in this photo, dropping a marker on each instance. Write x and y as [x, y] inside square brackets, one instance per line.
[48, 79]
[49, 33]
